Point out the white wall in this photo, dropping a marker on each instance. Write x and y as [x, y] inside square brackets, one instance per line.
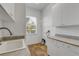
[9, 25]
[47, 20]
[48, 25]
[19, 19]
[18, 26]
[70, 16]
[34, 38]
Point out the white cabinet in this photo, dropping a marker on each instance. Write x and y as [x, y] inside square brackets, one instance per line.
[15, 45]
[51, 45]
[57, 15]
[65, 49]
[74, 49]
[4, 16]
[70, 14]
[57, 48]
[21, 52]
[10, 9]
[9, 46]
[65, 14]
[3, 47]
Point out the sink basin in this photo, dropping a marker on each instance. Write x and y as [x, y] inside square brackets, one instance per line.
[13, 45]
[3, 47]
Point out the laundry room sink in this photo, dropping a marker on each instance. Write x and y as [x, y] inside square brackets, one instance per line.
[13, 45]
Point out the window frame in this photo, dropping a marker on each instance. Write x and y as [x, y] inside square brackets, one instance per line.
[29, 28]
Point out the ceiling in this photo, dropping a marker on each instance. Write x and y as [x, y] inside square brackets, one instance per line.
[39, 6]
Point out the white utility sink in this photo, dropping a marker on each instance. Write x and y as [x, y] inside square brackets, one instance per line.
[3, 47]
[12, 45]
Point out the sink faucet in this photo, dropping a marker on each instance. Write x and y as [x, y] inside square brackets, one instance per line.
[6, 29]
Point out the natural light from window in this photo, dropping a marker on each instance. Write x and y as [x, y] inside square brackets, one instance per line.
[31, 25]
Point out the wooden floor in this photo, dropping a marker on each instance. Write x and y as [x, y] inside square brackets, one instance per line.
[38, 49]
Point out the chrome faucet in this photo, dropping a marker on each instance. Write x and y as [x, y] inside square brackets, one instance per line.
[6, 29]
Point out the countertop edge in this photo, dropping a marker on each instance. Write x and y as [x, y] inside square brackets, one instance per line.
[10, 38]
[62, 40]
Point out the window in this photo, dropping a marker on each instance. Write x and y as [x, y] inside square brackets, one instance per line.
[31, 26]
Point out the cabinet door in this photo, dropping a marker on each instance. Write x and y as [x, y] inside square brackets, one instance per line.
[3, 47]
[64, 50]
[56, 48]
[70, 13]
[61, 49]
[14, 45]
[69, 50]
[57, 15]
[51, 45]
[9, 8]
[74, 49]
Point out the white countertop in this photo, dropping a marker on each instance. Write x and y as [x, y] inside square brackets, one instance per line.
[66, 40]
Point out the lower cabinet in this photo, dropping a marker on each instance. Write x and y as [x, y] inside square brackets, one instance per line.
[57, 48]
[14, 45]
[21, 52]
[74, 49]
[64, 49]
[51, 45]
[9, 46]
